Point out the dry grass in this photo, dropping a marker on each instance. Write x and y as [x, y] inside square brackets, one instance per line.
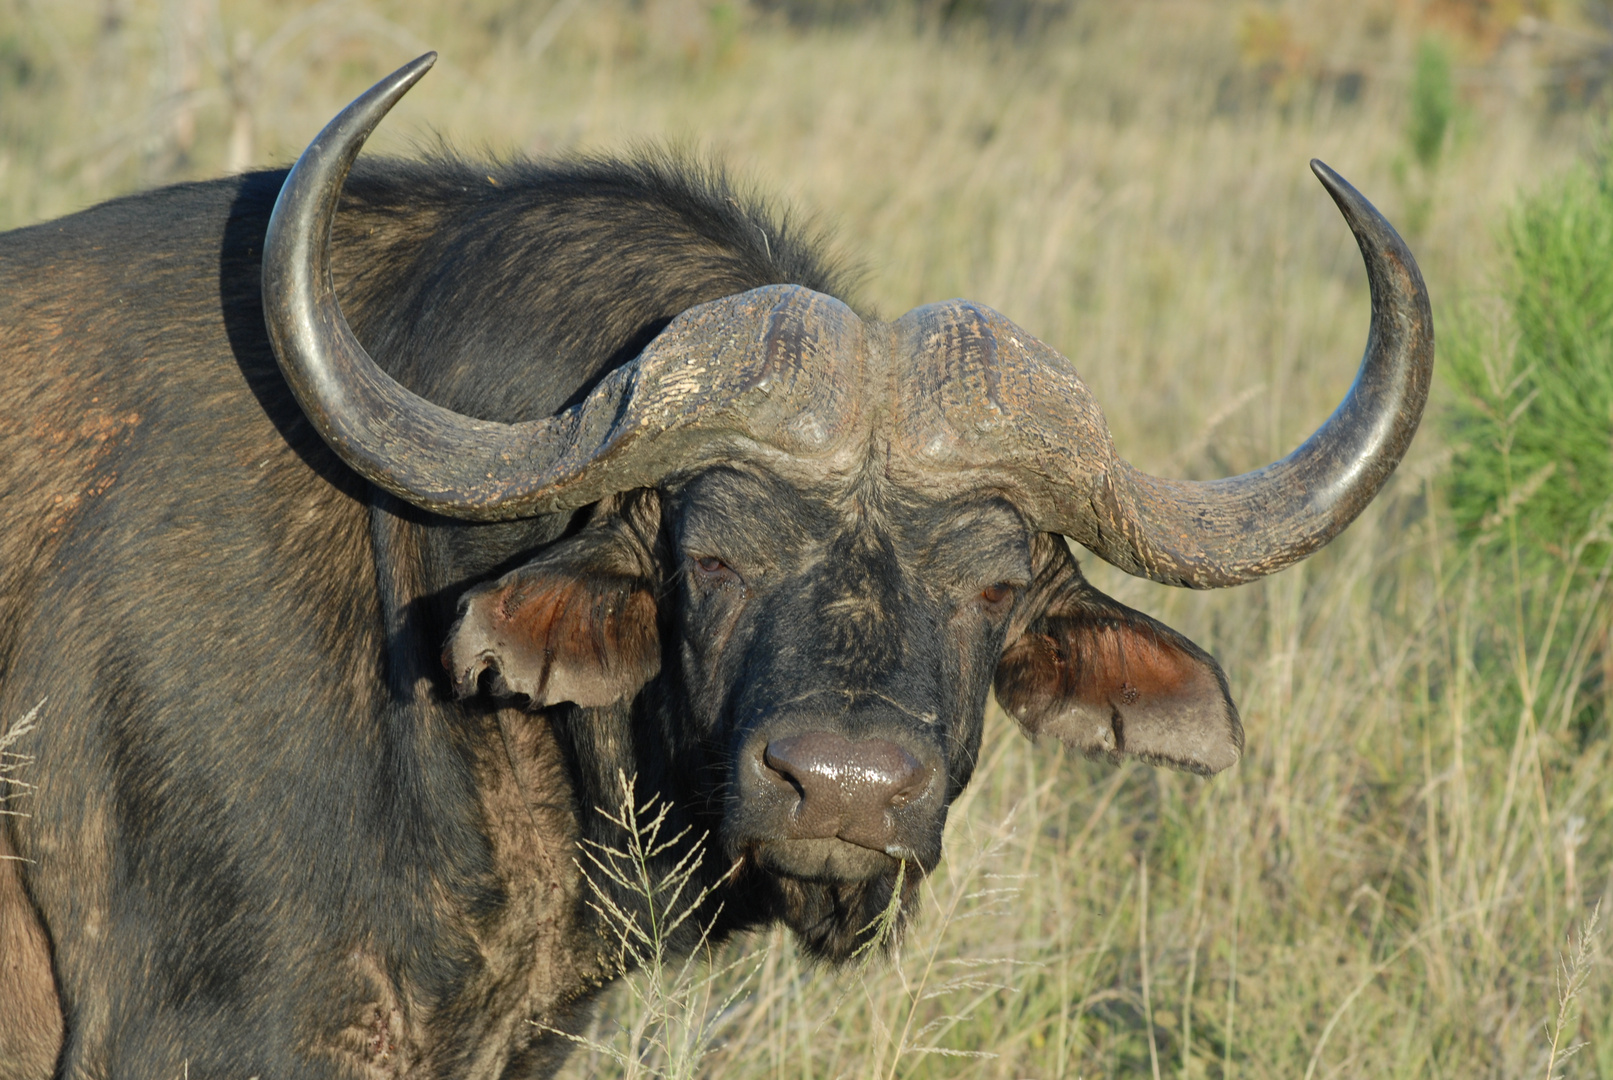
[15, 762]
[1421, 826]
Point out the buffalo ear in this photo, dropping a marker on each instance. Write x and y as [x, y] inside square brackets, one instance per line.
[576, 624]
[1110, 681]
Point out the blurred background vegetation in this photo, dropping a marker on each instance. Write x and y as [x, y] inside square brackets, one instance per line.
[1399, 879]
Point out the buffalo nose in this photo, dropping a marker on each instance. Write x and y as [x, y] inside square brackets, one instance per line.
[844, 787]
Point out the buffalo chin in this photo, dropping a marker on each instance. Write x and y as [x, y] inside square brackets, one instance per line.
[834, 917]
[827, 861]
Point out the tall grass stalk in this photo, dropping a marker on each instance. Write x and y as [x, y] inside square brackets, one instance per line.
[677, 1003]
[1573, 972]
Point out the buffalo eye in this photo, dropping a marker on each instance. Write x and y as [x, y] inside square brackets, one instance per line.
[710, 570]
[997, 594]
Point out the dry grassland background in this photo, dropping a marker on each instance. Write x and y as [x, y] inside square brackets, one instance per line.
[1398, 878]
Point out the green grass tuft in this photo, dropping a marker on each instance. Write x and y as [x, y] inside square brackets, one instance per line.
[1433, 102]
[1533, 422]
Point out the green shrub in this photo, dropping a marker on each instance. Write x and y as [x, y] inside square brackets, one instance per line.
[1433, 102]
[1533, 422]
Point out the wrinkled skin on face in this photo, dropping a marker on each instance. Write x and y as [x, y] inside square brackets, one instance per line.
[831, 648]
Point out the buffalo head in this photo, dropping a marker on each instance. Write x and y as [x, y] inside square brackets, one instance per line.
[815, 542]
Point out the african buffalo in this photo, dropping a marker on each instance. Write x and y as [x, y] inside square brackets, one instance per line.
[340, 658]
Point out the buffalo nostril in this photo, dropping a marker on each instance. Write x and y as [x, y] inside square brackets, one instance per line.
[778, 761]
[843, 788]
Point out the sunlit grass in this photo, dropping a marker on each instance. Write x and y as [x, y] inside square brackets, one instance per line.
[1419, 830]
[667, 1016]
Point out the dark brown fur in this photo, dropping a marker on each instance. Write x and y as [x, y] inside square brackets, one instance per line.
[267, 837]
[31, 1035]
[262, 826]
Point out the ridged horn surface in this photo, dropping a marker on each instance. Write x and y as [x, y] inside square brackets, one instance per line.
[775, 369]
[979, 394]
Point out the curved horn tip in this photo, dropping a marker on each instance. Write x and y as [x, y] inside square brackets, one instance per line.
[353, 124]
[411, 72]
[317, 176]
[1344, 193]
[395, 85]
[1338, 187]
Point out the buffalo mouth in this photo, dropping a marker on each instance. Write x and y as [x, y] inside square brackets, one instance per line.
[826, 860]
[839, 899]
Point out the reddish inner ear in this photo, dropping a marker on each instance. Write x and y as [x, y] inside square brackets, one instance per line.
[1109, 681]
[1098, 663]
[588, 638]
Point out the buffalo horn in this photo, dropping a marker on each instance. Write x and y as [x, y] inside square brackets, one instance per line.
[1224, 532]
[980, 394]
[758, 371]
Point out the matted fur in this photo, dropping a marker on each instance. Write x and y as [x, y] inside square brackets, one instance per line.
[268, 837]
